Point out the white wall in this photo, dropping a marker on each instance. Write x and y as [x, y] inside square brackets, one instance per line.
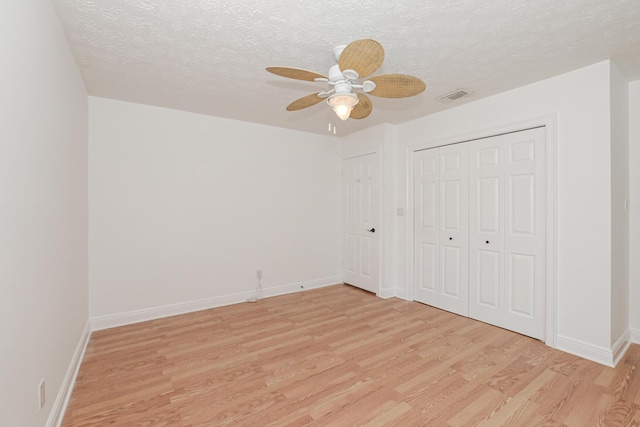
[619, 214]
[580, 101]
[634, 209]
[43, 210]
[184, 208]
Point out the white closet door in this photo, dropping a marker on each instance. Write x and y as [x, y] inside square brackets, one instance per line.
[454, 229]
[361, 209]
[507, 231]
[427, 225]
[442, 234]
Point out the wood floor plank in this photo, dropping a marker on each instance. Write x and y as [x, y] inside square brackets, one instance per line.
[341, 356]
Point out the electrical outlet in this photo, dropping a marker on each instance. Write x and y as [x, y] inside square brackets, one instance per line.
[258, 274]
[41, 390]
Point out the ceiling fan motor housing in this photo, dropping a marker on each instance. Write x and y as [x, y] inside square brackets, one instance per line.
[335, 74]
[341, 84]
[337, 51]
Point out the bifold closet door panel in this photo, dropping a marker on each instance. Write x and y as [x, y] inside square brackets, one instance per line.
[486, 243]
[454, 229]
[525, 232]
[427, 225]
[508, 231]
[441, 228]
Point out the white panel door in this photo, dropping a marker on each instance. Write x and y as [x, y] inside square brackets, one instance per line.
[427, 227]
[454, 229]
[507, 231]
[361, 193]
[441, 228]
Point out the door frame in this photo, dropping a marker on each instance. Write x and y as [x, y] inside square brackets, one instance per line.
[549, 123]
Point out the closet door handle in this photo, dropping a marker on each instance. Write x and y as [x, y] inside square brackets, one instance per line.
[487, 242]
[450, 238]
[373, 230]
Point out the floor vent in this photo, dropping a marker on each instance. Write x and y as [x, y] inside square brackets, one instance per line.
[457, 94]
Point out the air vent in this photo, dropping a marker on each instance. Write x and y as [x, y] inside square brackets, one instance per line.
[457, 94]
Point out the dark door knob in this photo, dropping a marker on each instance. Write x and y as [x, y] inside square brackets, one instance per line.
[450, 238]
[373, 230]
[487, 242]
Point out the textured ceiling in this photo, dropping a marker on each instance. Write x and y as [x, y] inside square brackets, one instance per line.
[209, 56]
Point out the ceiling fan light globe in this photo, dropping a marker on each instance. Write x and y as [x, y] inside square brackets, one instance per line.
[343, 112]
[342, 104]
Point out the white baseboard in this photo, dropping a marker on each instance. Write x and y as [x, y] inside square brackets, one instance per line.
[121, 319]
[387, 293]
[595, 353]
[302, 286]
[635, 336]
[621, 346]
[402, 294]
[64, 393]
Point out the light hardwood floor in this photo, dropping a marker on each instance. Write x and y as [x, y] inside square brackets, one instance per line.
[339, 356]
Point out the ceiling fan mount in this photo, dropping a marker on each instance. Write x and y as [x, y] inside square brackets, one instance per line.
[345, 94]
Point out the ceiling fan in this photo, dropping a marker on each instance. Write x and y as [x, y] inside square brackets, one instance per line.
[354, 61]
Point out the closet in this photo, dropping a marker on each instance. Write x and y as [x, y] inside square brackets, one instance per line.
[479, 230]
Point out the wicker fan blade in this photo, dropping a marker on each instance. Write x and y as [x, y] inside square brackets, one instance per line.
[397, 86]
[363, 56]
[295, 73]
[362, 108]
[304, 102]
